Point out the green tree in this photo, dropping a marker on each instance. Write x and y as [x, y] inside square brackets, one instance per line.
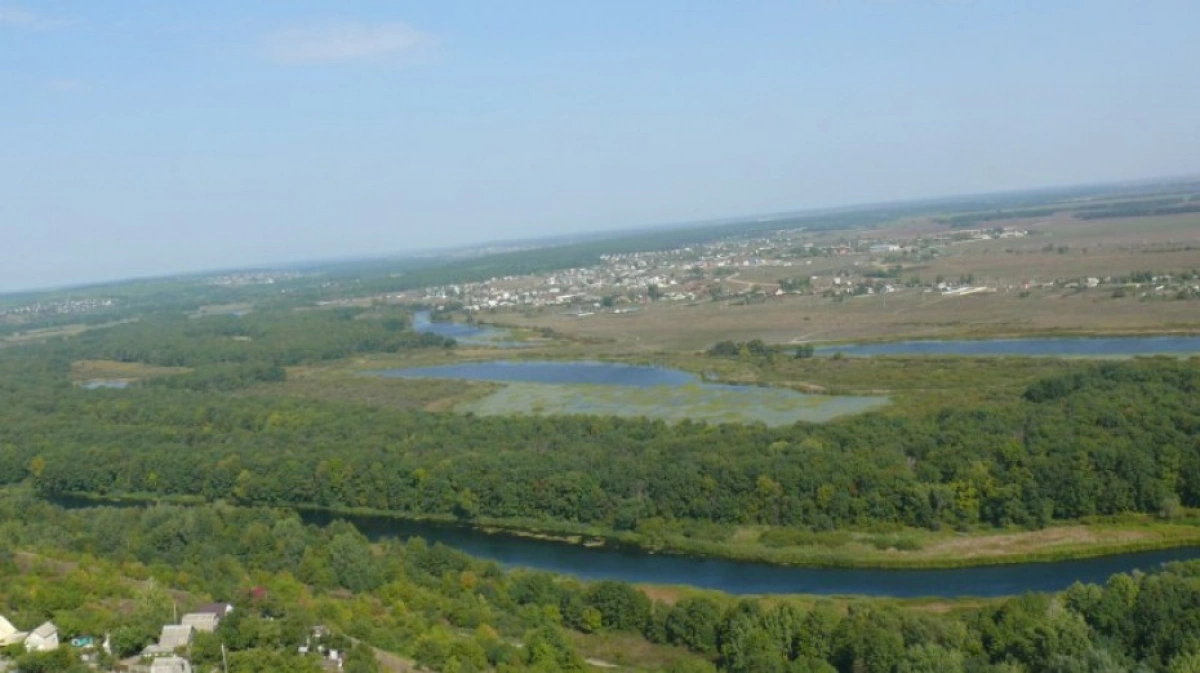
[621, 606]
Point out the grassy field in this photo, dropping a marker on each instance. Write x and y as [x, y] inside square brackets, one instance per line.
[912, 384]
[353, 385]
[43, 334]
[926, 549]
[907, 314]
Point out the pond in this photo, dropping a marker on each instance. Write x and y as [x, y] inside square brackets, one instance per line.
[472, 335]
[615, 389]
[1046, 347]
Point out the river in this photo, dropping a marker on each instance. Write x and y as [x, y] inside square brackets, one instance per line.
[734, 577]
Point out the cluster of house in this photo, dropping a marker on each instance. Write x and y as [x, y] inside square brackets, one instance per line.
[174, 641]
[177, 638]
[42, 639]
[164, 655]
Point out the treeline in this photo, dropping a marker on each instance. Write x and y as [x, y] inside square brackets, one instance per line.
[228, 352]
[1173, 205]
[1105, 439]
[967, 220]
[280, 337]
[451, 612]
[1150, 208]
[757, 348]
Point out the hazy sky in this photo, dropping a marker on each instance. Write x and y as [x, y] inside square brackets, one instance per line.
[150, 137]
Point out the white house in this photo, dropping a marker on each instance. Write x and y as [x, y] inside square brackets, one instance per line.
[9, 635]
[43, 639]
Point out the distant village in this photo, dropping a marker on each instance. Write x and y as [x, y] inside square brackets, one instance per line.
[714, 272]
[779, 264]
[40, 309]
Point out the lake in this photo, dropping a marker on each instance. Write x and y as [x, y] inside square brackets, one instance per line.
[1045, 347]
[615, 389]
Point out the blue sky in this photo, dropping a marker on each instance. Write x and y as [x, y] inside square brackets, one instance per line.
[149, 137]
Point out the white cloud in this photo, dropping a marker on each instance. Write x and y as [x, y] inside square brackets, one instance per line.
[17, 17]
[342, 41]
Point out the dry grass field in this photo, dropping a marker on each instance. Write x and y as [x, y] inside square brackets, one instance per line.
[902, 315]
[1097, 248]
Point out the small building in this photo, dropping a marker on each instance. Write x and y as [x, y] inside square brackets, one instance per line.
[201, 621]
[9, 635]
[174, 638]
[207, 618]
[171, 664]
[42, 639]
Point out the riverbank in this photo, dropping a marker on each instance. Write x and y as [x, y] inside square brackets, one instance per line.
[903, 549]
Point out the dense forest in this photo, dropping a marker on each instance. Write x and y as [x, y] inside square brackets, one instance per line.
[277, 338]
[228, 352]
[1104, 439]
[106, 570]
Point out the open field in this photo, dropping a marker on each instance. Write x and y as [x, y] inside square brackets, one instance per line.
[925, 549]
[1093, 248]
[907, 314]
[339, 384]
[912, 384]
[43, 334]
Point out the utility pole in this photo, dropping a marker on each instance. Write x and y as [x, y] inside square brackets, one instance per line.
[224, 661]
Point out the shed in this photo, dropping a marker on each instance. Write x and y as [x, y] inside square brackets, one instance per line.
[175, 636]
[43, 639]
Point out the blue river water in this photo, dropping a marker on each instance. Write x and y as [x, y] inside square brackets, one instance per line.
[473, 335]
[1048, 347]
[734, 577]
